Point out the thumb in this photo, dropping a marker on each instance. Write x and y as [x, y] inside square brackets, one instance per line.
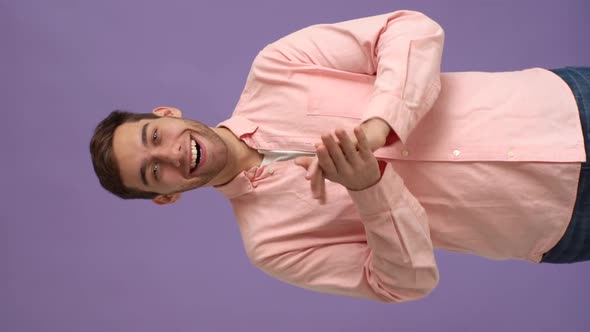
[304, 162]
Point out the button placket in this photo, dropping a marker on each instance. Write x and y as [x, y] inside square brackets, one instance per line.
[510, 154]
[259, 173]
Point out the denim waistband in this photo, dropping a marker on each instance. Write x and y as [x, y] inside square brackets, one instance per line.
[574, 246]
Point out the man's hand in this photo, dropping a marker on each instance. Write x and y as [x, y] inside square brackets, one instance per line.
[315, 175]
[349, 162]
[352, 165]
[375, 130]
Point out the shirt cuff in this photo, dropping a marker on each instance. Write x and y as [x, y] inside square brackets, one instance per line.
[381, 196]
[402, 116]
[392, 110]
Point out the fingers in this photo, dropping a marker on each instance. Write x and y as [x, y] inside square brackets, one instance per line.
[304, 162]
[325, 161]
[347, 160]
[363, 142]
[315, 175]
[348, 147]
[318, 186]
[313, 168]
[335, 153]
[308, 164]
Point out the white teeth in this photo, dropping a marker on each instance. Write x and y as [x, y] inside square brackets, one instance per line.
[193, 154]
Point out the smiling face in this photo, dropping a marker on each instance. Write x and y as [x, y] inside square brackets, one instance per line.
[168, 155]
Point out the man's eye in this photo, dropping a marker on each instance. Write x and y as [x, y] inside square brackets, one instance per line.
[155, 136]
[156, 170]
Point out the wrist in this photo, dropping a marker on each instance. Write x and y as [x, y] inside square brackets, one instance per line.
[377, 124]
[375, 179]
[377, 131]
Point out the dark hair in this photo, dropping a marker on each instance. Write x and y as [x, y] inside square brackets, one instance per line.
[103, 157]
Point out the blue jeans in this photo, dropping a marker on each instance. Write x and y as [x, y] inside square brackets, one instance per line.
[574, 246]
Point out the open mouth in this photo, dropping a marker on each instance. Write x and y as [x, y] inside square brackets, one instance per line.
[195, 155]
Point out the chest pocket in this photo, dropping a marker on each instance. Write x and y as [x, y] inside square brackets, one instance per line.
[339, 95]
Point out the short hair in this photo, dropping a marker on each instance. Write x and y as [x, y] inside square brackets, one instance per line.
[103, 156]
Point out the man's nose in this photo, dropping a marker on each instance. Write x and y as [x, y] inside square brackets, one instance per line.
[172, 154]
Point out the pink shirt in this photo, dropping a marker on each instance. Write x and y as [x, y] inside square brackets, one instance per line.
[488, 164]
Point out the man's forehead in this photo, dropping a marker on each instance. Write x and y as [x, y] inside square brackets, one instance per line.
[127, 148]
[127, 133]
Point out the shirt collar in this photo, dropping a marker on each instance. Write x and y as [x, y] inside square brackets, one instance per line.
[241, 184]
[239, 126]
[244, 182]
[238, 186]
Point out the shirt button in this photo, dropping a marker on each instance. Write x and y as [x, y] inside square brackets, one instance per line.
[405, 153]
[456, 153]
[271, 171]
[510, 154]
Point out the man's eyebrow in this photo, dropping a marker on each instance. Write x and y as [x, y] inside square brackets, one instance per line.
[142, 171]
[144, 162]
[144, 134]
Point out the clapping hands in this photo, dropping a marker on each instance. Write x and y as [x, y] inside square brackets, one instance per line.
[342, 160]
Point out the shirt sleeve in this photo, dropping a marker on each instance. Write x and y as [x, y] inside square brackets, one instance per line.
[396, 263]
[398, 233]
[402, 49]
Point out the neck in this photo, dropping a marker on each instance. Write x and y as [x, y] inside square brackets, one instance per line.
[240, 157]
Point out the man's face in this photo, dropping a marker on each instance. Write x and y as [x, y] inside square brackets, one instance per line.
[168, 155]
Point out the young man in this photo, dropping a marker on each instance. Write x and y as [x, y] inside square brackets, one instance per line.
[481, 163]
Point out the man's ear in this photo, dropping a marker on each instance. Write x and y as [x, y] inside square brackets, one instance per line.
[166, 199]
[167, 111]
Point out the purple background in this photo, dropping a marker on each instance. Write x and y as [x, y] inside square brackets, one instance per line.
[76, 259]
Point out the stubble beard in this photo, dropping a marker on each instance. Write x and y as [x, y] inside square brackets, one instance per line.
[217, 154]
